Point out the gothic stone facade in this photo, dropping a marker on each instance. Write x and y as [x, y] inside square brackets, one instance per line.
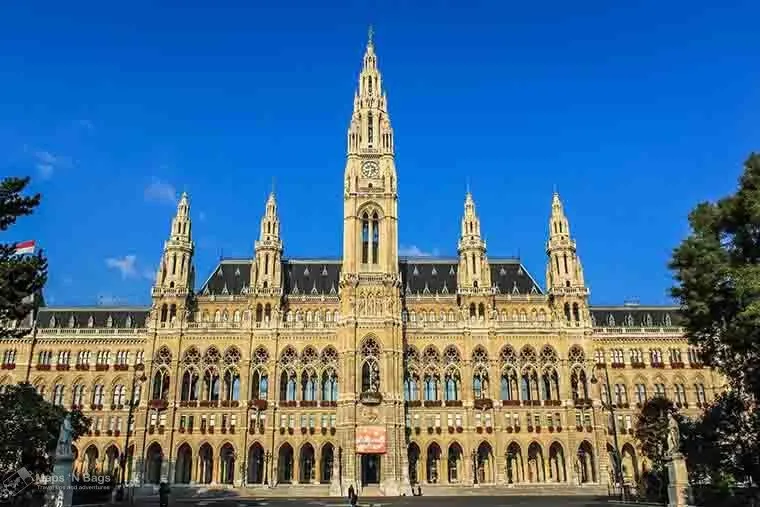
[373, 371]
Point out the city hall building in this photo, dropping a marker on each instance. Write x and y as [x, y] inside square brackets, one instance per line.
[374, 371]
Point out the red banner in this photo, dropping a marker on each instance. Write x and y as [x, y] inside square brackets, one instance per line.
[370, 440]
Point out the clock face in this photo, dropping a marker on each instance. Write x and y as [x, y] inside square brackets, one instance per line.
[370, 170]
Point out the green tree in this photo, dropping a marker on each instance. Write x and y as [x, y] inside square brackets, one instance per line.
[20, 276]
[31, 427]
[651, 429]
[717, 270]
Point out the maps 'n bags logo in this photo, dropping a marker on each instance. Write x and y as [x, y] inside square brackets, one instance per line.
[16, 482]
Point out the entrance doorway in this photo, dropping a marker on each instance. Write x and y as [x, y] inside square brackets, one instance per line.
[370, 469]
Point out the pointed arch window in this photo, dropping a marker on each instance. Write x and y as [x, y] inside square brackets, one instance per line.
[365, 238]
[370, 133]
[375, 238]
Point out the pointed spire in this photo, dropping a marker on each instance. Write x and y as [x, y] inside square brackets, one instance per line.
[265, 270]
[563, 266]
[176, 269]
[370, 34]
[558, 224]
[473, 272]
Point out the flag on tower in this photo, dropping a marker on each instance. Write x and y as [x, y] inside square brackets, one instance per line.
[25, 247]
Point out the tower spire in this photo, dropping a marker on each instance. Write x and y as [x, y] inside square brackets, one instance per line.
[473, 274]
[370, 128]
[564, 273]
[370, 229]
[267, 267]
[176, 274]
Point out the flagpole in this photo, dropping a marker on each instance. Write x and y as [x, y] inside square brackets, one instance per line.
[35, 310]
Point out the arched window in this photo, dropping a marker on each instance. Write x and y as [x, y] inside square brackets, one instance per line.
[161, 384]
[452, 385]
[365, 238]
[259, 385]
[370, 369]
[375, 238]
[370, 130]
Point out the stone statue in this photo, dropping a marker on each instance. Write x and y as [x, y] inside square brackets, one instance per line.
[64, 438]
[674, 436]
[59, 494]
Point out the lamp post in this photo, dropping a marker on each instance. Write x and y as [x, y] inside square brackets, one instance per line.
[132, 404]
[267, 458]
[607, 403]
[474, 467]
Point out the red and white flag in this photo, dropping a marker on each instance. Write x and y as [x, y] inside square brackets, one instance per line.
[25, 247]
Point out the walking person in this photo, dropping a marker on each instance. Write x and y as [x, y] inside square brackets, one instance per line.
[163, 494]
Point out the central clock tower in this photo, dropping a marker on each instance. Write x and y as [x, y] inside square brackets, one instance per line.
[370, 219]
[371, 405]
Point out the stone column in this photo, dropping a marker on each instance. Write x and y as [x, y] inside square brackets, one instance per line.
[679, 491]
[59, 493]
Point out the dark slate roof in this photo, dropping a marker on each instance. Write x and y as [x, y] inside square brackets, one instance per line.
[231, 276]
[635, 316]
[311, 277]
[120, 317]
[510, 277]
[429, 275]
[419, 275]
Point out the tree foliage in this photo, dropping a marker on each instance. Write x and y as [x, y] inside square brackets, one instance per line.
[651, 429]
[31, 426]
[20, 276]
[723, 444]
[717, 270]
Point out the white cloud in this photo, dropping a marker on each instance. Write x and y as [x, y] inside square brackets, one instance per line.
[125, 265]
[160, 191]
[415, 251]
[129, 268]
[149, 274]
[46, 162]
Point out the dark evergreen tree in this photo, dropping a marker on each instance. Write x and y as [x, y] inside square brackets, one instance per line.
[20, 276]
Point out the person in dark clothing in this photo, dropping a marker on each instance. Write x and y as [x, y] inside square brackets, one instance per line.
[354, 499]
[350, 492]
[163, 494]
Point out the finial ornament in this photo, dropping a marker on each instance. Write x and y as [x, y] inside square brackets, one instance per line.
[370, 34]
[273, 181]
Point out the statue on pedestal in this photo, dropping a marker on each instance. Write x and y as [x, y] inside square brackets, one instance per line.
[674, 437]
[59, 493]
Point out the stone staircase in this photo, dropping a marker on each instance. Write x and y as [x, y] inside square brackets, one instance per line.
[323, 490]
[288, 490]
[543, 489]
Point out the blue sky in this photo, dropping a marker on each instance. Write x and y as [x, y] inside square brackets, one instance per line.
[634, 113]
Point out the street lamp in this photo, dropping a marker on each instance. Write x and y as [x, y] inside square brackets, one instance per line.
[267, 458]
[607, 403]
[474, 467]
[132, 404]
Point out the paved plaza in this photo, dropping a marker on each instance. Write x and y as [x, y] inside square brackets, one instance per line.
[479, 501]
